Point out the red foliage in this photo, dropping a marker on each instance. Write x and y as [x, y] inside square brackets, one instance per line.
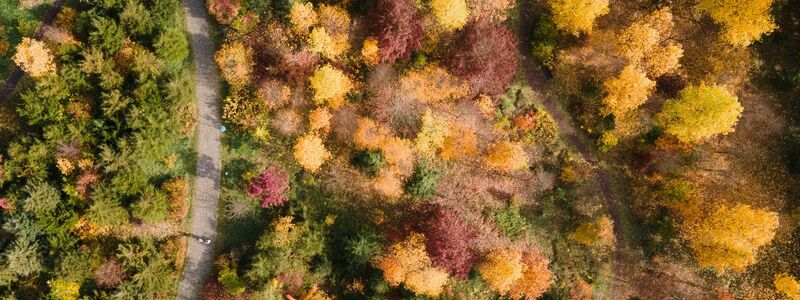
[448, 241]
[298, 66]
[270, 187]
[224, 10]
[109, 274]
[5, 205]
[485, 55]
[398, 27]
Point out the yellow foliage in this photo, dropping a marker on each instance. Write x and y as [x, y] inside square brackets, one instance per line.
[596, 233]
[404, 258]
[283, 232]
[336, 22]
[461, 143]
[662, 60]
[432, 84]
[235, 61]
[64, 290]
[65, 166]
[321, 42]
[302, 17]
[431, 136]
[34, 58]
[729, 237]
[501, 268]
[399, 153]
[536, 278]
[369, 135]
[370, 52]
[643, 44]
[427, 282]
[330, 84]
[633, 41]
[700, 112]
[451, 14]
[486, 106]
[310, 152]
[627, 91]
[319, 119]
[742, 21]
[787, 285]
[576, 16]
[388, 184]
[507, 157]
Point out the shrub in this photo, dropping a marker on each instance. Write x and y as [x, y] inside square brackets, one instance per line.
[370, 162]
[423, 182]
[270, 186]
[510, 220]
[398, 28]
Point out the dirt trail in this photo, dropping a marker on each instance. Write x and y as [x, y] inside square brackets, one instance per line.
[537, 79]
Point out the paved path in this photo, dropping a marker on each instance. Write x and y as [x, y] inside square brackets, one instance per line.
[17, 74]
[206, 185]
[537, 79]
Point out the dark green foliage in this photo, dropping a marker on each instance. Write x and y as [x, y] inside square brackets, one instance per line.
[172, 45]
[152, 206]
[135, 18]
[287, 252]
[423, 182]
[510, 220]
[362, 248]
[543, 43]
[23, 258]
[106, 209]
[153, 273]
[107, 35]
[77, 266]
[369, 162]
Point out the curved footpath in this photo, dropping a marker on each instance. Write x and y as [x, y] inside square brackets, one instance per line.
[538, 80]
[206, 184]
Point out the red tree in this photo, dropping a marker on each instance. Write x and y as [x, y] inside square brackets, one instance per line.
[270, 187]
[448, 240]
[398, 27]
[484, 55]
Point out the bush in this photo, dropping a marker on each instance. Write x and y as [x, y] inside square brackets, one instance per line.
[423, 182]
[370, 162]
[510, 220]
[233, 284]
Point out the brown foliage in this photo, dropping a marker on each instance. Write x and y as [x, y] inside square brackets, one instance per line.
[109, 274]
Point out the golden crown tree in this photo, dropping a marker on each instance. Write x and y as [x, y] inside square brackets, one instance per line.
[451, 14]
[501, 268]
[330, 86]
[577, 16]
[34, 58]
[310, 152]
[742, 21]
[700, 112]
[507, 157]
[627, 91]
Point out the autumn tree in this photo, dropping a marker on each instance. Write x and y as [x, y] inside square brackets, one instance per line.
[34, 58]
[451, 14]
[407, 262]
[225, 11]
[449, 242]
[485, 55]
[431, 136]
[302, 17]
[397, 27]
[432, 84]
[336, 22]
[787, 285]
[310, 152]
[595, 233]
[270, 186]
[626, 91]
[236, 63]
[577, 16]
[369, 135]
[330, 86]
[742, 21]
[460, 143]
[729, 236]
[646, 44]
[370, 52]
[501, 268]
[507, 157]
[399, 153]
[536, 277]
[700, 112]
[319, 120]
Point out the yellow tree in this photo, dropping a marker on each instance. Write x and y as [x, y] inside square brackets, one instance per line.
[235, 61]
[627, 91]
[310, 152]
[451, 14]
[536, 277]
[599, 232]
[336, 22]
[507, 157]
[730, 235]
[330, 86]
[370, 52]
[432, 84]
[427, 282]
[461, 143]
[302, 17]
[431, 136]
[576, 16]
[319, 119]
[407, 262]
[786, 284]
[501, 268]
[645, 43]
[369, 135]
[742, 21]
[34, 58]
[699, 112]
[321, 42]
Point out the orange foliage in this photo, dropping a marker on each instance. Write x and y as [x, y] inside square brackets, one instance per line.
[310, 152]
[236, 63]
[507, 157]
[501, 268]
[404, 258]
[369, 135]
[432, 84]
[461, 143]
[388, 184]
[399, 153]
[536, 277]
